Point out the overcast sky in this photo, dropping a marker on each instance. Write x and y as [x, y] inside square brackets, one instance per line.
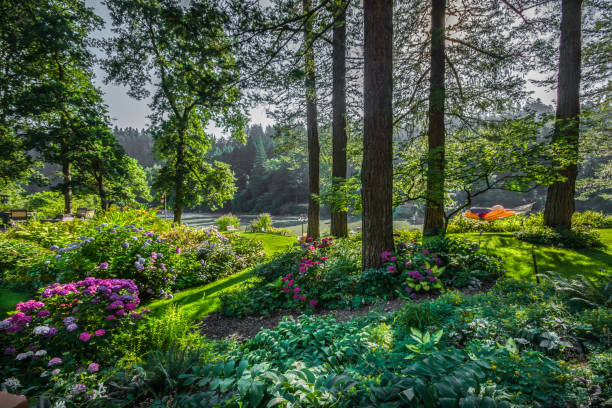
[129, 112]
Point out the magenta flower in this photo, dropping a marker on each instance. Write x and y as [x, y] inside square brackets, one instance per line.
[100, 332]
[93, 367]
[295, 297]
[103, 265]
[426, 252]
[55, 361]
[438, 261]
[110, 317]
[84, 336]
[120, 312]
[385, 256]
[313, 303]
[178, 250]
[296, 290]
[391, 269]
[29, 305]
[302, 298]
[44, 313]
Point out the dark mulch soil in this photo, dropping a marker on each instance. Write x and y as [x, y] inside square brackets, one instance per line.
[218, 326]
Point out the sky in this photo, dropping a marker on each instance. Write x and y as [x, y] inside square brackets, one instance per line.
[129, 112]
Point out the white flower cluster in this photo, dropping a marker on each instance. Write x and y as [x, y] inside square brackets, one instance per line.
[41, 330]
[12, 383]
[23, 356]
[140, 261]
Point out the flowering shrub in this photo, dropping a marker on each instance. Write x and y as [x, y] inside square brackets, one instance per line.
[217, 256]
[117, 252]
[421, 271]
[329, 273]
[69, 327]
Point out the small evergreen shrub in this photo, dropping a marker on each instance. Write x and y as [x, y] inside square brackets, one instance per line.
[575, 238]
[591, 219]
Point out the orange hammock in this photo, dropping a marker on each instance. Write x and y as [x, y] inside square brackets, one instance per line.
[489, 214]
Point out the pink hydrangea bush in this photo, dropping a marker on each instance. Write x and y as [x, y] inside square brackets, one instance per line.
[69, 326]
[420, 268]
[302, 287]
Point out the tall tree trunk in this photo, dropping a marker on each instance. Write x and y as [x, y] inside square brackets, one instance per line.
[339, 224]
[67, 174]
[311, 128]
[434, 205]
[101, 191]
[179, 188]
[377, 168]
[560, 198]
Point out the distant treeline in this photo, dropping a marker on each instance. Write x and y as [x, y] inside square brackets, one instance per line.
[267, 180]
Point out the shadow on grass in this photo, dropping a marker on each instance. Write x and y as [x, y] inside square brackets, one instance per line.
[200, 301]
[519, 262]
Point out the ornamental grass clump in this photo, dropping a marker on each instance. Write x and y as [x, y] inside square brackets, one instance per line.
[69, 327]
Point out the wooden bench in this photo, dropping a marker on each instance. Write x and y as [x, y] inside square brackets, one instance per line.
[19, 215]
[85, 213]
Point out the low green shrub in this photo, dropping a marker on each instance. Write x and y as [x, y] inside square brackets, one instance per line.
[586, 220]
[575, 238]
[460, 224]
[583, 290]
[262, 224]
[227, 221]
[17, 258]
[591, 219]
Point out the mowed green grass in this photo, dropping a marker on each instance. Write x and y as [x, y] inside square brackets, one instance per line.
[201, 301]
[517, 256]
[8, 300]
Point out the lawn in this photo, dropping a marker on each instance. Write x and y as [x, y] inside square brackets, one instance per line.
[272, 243]
[8, 300]
[518, 259]
[202, 300]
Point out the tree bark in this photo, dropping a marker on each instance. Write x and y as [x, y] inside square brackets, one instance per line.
[377, 168]
[67, 174]
[101, 191]
[311, 128]
[434, 203]
[560, 198]
[179, 188]
[339, 222]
